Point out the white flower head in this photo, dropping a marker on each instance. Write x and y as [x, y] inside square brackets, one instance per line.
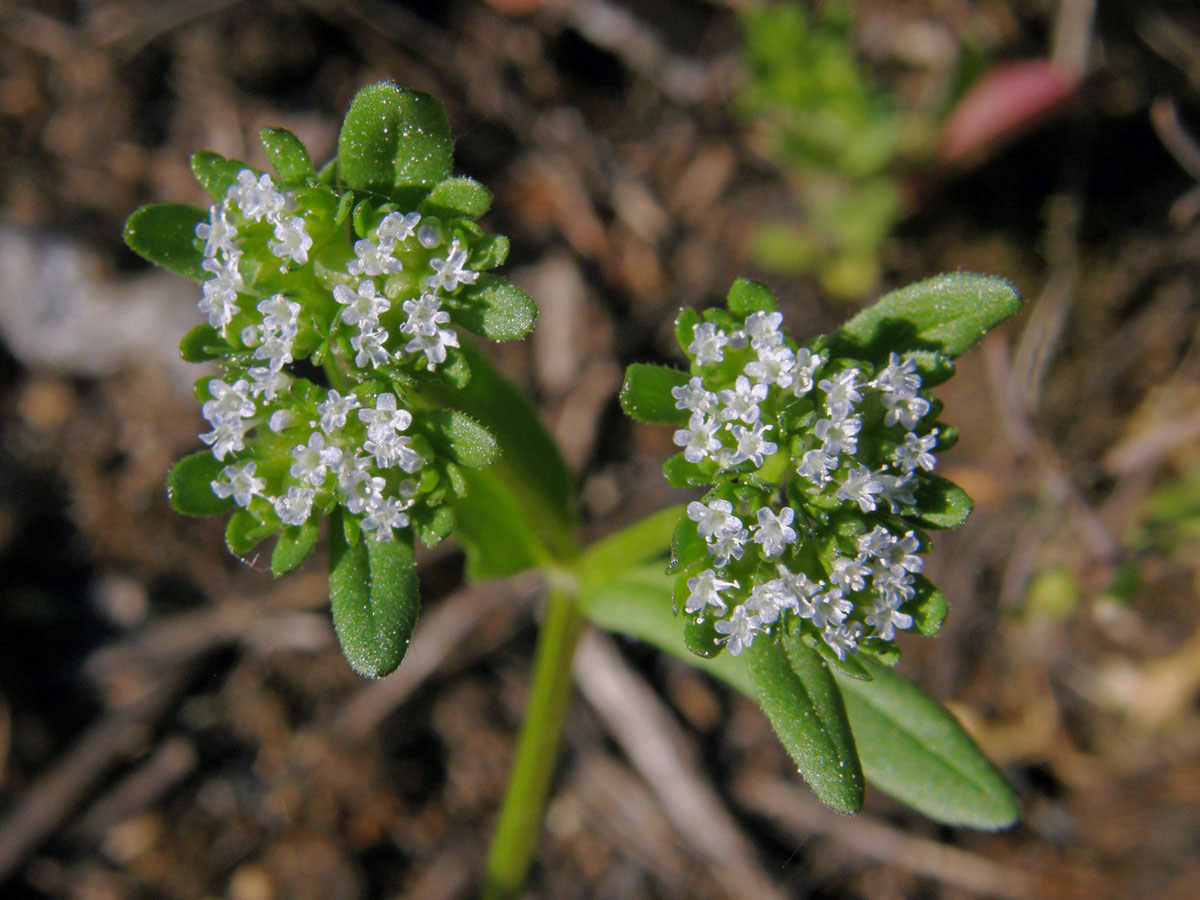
[916, 452]
[313, 459]
[740, 629]
[751, 445]
[296, 506]
[373, 259]
[450, 272]
[841, 392]
[773, 530]
[384, 516]
[705, 591]
[695, 398]
[708, 343]
[699, 440]
[334, 409]
[291, 240]
[713, 518]
[861, 486]
[361, 306]
[742, 402]
[240, 483]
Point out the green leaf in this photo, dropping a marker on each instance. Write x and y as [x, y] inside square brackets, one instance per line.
[928, 607]
[702, 638]
[646, 394]
[165, 234]
[287, 155]
[940, 502]
[189, 486]
[244, 532]
[215, 173]
[524, 501]
[462, 439]
[746, 296]
[682, 474]
[459, 197]
[914, 750]
[395, 142]
[202, 343]
[645, 539]
[433, 528]
[687, 547]
[489, 252]
[799, 697]
[373, 592]
[949, 313]
[685, 324]
[493, 308]
[294, 544]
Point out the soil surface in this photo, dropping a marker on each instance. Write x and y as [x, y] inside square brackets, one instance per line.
[175, 724]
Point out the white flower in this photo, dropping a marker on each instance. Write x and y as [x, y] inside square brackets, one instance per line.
[775, 365]
[313, 458]
[838, 435]
[751, 444]
[334, 409]
[369, 349]
[895, 586]
[218, 295]
[886, 617]
[266, 382]
[898, 490]
[280, 315]
[768, 600]
[291, 240]
[386, 514]
[907, 411]
[373, 259]
[849, 574]
[830, 608]
[699, 440]
[450, 272]
[742, 402]
[860, 487]
[807, 364]
[218, 233]
[228, 401]
[705, 591]
[281, 420]
[386, 417]
[915, 452]
[763, 329]
[774, 531]
[240, 483]
[393, 450]
[713, 518]
[815, 465]
[900, 555]
[843, 638]
[397, 227]
[801, 589]
[361, 306]
[874, 543]
[740, 629]
[360, 489]
[425, 318]
[257, 198]
[433, 346]
[276, 348]
[707, 344]
[841, 392]
[899, 378]
[729, 544]
[693, 397]
[296, 507]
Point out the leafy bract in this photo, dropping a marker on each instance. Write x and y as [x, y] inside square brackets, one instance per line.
[646, 394]
[494, 308]
[165, 234]
[288, 155]
[189, 486]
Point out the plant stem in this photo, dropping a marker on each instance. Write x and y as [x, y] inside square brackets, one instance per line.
[519, 825]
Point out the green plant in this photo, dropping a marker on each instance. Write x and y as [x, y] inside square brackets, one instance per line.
[346, 392]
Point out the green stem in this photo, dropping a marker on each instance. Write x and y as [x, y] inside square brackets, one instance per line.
[520, 823]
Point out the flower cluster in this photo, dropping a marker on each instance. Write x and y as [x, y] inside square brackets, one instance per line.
[817, 463]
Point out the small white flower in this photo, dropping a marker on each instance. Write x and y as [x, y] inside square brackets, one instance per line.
[450, 272]
[334, 409]
[218, 295]
[373, 259]
[774, 531]
[694, 397]
[386, 417]
[296, 507]
[708, 344]
[699, 440]
[713, 518]
[740, 629]
[830, 608]
[894, 586]
[705, 591]
[742, 402]
[280, 315]
[900, 555]
[266, 382]
[240, 483]
[369, 349]
[393, 450]
[860, 486]
[729, 544]
[849, 574]
[899, 378]
[899, 491]
[800, 589]
[906, 411]
[386, 514]
[841, 392]
[886, 617]
[838, 435]
[291, 240]
[763, 329]
[874, 543]
[218, 233]
[751, 445]
[843, 638]
[228, 401]
[775, 365]
[397, 227]
[276, 349]
[815, 465]
[915, 452]
[360, 489]
[257, 198]
[805, 371]
[768, 600]
[313, 458]
[361, 306]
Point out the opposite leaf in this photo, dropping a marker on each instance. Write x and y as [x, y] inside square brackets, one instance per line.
[913, 749]
[373, 592]
[394, 142]
[804, 710]
[646, 394]
[948, 313]
[165, 234]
